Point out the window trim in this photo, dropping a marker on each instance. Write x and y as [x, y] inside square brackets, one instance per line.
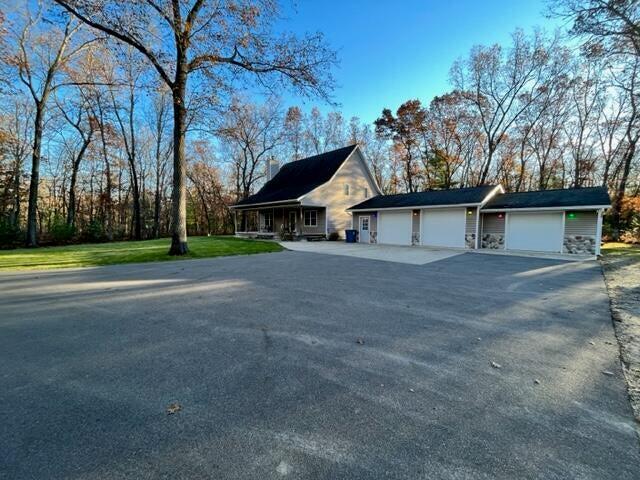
[315, 218]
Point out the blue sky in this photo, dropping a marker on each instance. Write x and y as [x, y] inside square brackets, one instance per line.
[395, 50]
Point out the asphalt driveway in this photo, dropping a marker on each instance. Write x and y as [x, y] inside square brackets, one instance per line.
[261, 353]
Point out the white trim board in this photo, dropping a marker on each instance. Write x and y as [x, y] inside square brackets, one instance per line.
[415, 207]
[537, 209]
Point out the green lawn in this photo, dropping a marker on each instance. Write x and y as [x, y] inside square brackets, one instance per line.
[622, 250]
[91, 255]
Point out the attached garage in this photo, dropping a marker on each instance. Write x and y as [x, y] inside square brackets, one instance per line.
[443, 227]
[394, 228]
[539, 232]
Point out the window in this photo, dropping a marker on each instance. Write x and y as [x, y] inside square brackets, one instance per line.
[310, 218]
[268, 221]
[366, 192]
[346, 189]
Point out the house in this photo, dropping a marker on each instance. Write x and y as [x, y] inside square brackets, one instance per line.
[307, 198]
[335, 191]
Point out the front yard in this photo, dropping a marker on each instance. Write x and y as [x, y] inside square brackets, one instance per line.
[621, 265]
[92, 255]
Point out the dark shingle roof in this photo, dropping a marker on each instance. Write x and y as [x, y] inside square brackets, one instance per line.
[300, 177]
[455, 196]
[571, 197]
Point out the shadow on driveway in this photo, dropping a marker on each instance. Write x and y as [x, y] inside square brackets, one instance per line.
[261, 354]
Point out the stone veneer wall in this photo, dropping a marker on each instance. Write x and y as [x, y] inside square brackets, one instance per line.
[579, 244]
[470, 240]
[493, 240]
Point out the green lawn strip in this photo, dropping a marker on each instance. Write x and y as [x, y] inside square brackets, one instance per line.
[630, 252]
[91, 255]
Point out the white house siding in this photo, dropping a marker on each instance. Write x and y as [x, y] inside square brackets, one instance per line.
[470, 228]
[580, 232]
[373, 224]
[492, 227]
[332, 194]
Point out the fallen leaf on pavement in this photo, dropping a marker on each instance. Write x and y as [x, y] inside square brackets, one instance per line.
[174, 407]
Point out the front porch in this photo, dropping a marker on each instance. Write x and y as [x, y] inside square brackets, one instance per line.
[288, 222]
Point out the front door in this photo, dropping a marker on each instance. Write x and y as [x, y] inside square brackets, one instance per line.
[292, 221]
[364, 230]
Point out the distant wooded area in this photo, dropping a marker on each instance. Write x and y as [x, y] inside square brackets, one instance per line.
[141, 120]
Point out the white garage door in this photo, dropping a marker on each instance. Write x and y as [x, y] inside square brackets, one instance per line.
[394, 228]
[443, 227]
[539, 232]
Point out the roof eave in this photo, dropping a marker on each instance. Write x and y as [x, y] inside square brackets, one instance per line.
[277, 202]
[415, 207]
[560, 207]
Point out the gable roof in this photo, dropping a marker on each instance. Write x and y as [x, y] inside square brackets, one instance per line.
[454, 196]
[569, 197]
[300, 177]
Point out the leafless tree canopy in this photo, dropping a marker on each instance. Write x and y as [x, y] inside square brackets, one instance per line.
[141, 119]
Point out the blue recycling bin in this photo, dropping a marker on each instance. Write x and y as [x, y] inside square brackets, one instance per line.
[351, 236]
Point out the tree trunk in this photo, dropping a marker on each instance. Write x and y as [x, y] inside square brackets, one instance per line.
[108, 210]
[32, 228]
[622, 187]
[71, 210]
[137, 214]
[16, 199]
[156, 209]
[179, 194]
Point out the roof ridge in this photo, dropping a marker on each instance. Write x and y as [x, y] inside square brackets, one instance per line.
[553, 190]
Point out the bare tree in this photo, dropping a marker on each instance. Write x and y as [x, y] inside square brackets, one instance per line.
[501, 86]
[83, 124]
[612, 24]
[159, 118]
[252, 134]
[39, 56]
[181, 38]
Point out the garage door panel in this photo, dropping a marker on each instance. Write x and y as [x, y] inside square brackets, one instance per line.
[394, 228]
[443, 227]
[538, 232]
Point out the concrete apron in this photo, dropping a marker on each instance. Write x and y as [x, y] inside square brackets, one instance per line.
[415, 255]
[385, 253]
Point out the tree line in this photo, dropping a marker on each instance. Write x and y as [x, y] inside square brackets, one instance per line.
[108, 133]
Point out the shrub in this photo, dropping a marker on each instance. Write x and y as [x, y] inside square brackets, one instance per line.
[334, 236]
[93, 232]
[10, 234]
[61, 233]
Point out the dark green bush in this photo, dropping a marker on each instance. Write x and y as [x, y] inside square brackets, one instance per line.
[334, 236]
[94, 232]
[10, 234]
[61, 233]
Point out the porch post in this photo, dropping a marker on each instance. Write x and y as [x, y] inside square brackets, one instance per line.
[301, 220]
[477, 227]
